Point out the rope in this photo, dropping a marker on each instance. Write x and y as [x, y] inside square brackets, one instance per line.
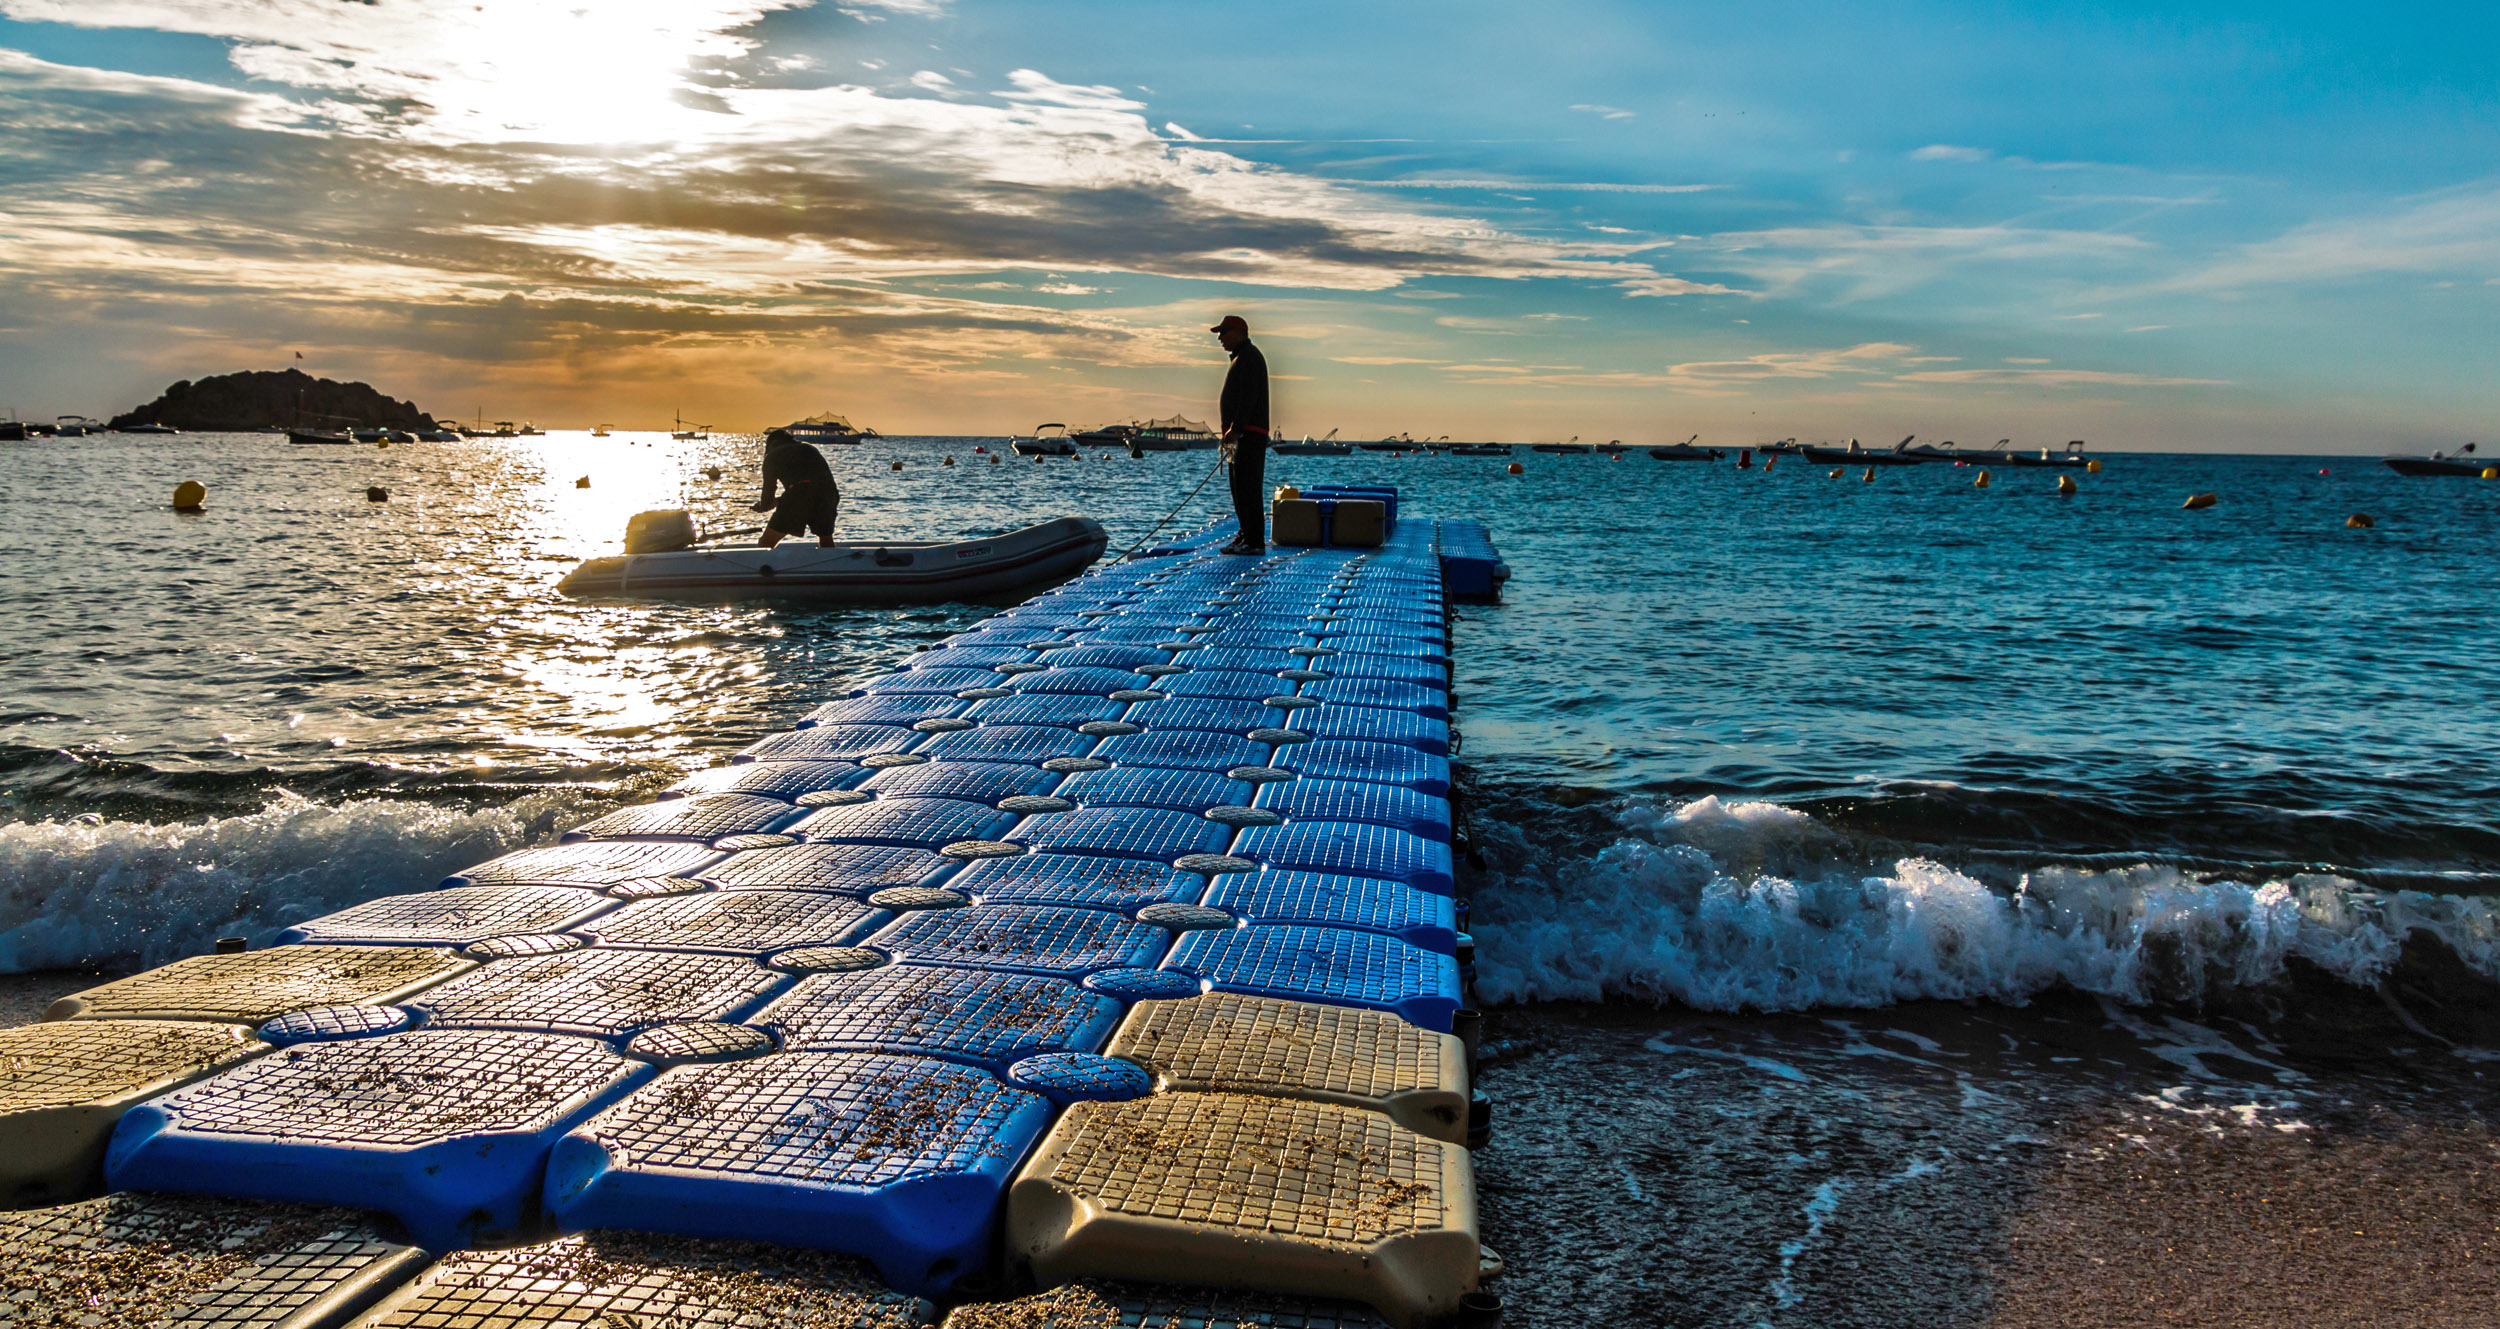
[1176, 508]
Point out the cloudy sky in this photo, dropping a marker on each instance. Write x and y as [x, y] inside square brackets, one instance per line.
[2230, 225]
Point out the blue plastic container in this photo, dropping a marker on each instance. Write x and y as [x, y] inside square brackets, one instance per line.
[1337, 966]
[454, 917]
[1087, 880]
[986, 1018]
[1159, 834]
[1325, 899]
[1354, 848]
[841, 869]
[1038, 939]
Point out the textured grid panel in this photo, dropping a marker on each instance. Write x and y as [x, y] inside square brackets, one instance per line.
[1186, 749]
[1244, 660]
[1230, 684]
[972, 781]
[69, 1062]
[1133, 632]
[1155, 833]
[919, 823]
[605, 994]
[1338, 965]
[972, 1015]
[887, 708]
[1359, 800]
[455, 917]
[1145, 1306]
[593, 864]
[948, 681]
[1054, 708]
[1070, 1077]
[706, 818]
[962, 656]
[773, 779]
[1354, 848]
[1254, 639]
[1040, 938]
[1382, 692]
[740, 922]
[1224, 1042]
[625, 1280]
[1425, 673]
[1024, 743]
[842, 869]
[1381, 763]
[145, 1261]
[1404, 648]
[679, 1044]
[832, 742]
[1082, 681]
[1378, 725]
[1006, 631]
[1220, 715]
[1122, 656]
[258, 986]
[1074, 879]
[1154, 787]
[1143, 984]
[1322, 899]
[401, 1090]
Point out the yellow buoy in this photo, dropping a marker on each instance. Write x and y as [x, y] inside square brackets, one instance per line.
[1981, 482]
[2092, 467]
[2066, 484]
[2200, 501]
[383, 444]
[711, 472]
[1834, 475]
[583, 483]
[1287, 493]
[189, 495]
[2359, 521]
[2491, 472]
[1869, 477]
[1038, 460]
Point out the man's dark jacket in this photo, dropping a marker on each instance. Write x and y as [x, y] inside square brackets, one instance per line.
[1244, 403]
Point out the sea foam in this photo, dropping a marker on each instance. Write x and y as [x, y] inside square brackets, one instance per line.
[85, 892]
[1754, 906]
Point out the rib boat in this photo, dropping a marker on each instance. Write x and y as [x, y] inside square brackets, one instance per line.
[2461, 462]
[891, 572]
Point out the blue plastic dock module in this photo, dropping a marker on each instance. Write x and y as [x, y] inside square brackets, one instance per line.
[599, 993]
[1183, 749]
[988, 1018]
[751, 923]
[596, 864]
[905, 823]
[445, 1129]
[1325, 899]
[1338, 966]
[841, 869]
[1159, 834]
[454, 917]
[772, 779]
[833, 742]
[899, 1160]
[1028, 744]
[1154, 787]
[1373, 724]
[973, 781]
[1122, 884]
[703, 819]
[1067, 710]
[1470, 567]
[1354, 848]
[1039, 939]
[1422, 814]
[885, 708]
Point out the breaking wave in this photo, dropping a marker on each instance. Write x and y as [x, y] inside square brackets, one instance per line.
[93, 892]
[1754, 906]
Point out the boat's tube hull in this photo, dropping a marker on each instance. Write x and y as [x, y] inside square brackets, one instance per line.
[892, 573]
[2438, 465]
[1679, 452]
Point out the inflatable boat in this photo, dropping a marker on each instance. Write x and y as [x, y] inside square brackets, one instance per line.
[890, 572]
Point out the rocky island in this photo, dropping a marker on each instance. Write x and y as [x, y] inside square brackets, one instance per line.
[262, 399]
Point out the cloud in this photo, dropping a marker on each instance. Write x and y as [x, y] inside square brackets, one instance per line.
[1947, 152]
[1541, 186]
[929, 80]
[2456, 231]
[1857, 262]
[1380, 360]
[1666, 286]
[2056, 378]
[1069, 288]
[1605, 112]
[2023, 360]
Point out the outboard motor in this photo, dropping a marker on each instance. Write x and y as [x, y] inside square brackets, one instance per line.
[661, 531]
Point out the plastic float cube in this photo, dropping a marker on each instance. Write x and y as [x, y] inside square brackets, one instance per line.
[1082, 681]
[624, 1280]
[453, 917]
[1223, 684]
[838, 869]
[1184, 749]
[740, 922]
[1029, 744]
[1122, 884]
[1338, 966]
[898, 1160]
[596, 864]
[836, 742]
[448, 1129]
[1153, 787]
[256, 986]
[1052, 708]
[905, 822]
[1230, 1043]
[64, 1084]
[138, 1260]
[772, 779]
[702, 819]
[1096, 1305]
[1390, 805]
[973, 781]
[1382, 692]
[985, 1017]
[1105, 654]
[890, 708]
[1379, 763]
[1354, 848]
[1222, 715]
[947, 681]
[1041, 939]
[1328, 899]
[600, 993]
[1241, 1190]
[1160, 834]
[1373, 724]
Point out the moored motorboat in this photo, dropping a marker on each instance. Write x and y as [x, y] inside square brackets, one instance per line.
[861, 573]
[1857, 454]
[1046, 441]
[148, 429]
[1480, 449]
[828, 429]
[1314, 447]
[2461, 462]
[1178, 434]
[1108, 436]
[329, 438]
[1685, 451]
[2072, 456]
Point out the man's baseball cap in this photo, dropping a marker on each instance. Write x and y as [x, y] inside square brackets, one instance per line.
[1232, 321]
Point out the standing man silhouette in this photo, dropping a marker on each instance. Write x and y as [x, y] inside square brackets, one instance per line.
[1243, 413]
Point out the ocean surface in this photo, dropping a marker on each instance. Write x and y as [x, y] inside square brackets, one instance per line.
[1743, 739]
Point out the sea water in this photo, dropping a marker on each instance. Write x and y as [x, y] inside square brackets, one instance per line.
[1746, 739]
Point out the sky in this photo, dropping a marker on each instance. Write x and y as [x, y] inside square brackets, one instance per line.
[2225, 226]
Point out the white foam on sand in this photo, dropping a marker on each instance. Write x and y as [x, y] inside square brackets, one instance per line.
[94, 892]
[1737, 906]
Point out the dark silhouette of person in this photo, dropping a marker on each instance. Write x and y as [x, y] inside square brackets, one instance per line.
[809, 498]
[1242, 411]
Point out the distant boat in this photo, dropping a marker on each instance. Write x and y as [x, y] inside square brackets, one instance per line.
[598, 431]
[1310, 447]
[1685, 451]
[2072, 456]
[149, 429]
[320, 438]
[1857, 454]
[828, 429]
[2461, 462]
[1047, 441]
[74, 426]
[1109, 436]
[1480, 450]
[439, 433]
[1178, 434]
[699, 432]
[13, 431]
[529, 430]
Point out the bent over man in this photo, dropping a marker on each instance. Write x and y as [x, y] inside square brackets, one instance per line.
[809, 499]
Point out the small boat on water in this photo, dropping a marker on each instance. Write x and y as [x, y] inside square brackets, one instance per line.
[598, 431]
[894, 572]
[1575, 445]
[1311, 447]
[320, 438]
[1047, 441]
[1109, 436]
[440, 433]
[1480, 449]
[149, 429]
[1685, 451]
[1178, 434]
[1857, 454]
[828, 429]
[696, 434]
[2072, 456]
[74, 426]
[13, 431]
[2461, 462]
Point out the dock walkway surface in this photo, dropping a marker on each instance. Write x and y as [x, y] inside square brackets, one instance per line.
[1096, 967]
